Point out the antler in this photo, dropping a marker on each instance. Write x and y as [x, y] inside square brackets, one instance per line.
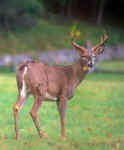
[98, 48]
[75, 44]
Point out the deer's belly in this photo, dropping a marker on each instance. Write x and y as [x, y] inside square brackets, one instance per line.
[50, 97]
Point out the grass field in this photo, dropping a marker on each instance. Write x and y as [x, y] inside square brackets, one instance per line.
[95, 117]
[116, 65]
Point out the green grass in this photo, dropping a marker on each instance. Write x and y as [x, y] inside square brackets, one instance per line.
[116, 65]
[47, 35]
[95, 117]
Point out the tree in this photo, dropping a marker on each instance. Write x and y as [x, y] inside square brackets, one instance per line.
[16, 12]
[100, 11]
[63, 7]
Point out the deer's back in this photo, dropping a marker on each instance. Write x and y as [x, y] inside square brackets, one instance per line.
[52, 79]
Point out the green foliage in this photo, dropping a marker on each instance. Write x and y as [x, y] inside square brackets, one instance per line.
[98, 127]
[54, 5]
[63, 2]
[14, 12]
[48, 36]
[48, 5]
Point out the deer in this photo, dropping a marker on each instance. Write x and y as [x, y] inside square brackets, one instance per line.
[55, 83]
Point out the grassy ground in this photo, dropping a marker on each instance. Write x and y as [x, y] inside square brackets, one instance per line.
[116, 65]
[48, 35]
[95, 117]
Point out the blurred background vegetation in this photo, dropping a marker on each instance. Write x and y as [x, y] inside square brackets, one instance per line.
[36, 25]
[33, 26]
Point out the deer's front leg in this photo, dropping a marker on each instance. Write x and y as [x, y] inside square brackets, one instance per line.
[61, 104]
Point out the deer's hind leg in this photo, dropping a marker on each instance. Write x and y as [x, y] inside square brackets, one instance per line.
[16, 109]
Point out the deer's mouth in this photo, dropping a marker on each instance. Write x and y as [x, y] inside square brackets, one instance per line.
[90, 65]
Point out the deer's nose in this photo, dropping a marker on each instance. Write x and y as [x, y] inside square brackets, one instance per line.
[90, 64]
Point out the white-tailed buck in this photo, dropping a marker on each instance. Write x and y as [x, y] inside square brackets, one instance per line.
[53, 83]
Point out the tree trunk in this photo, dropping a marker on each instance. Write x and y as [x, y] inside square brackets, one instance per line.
[7, 23]
[100, 12]
[94, 9]
[69, 8]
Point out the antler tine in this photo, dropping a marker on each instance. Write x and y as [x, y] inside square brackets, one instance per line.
[75, 44]
[105, 37]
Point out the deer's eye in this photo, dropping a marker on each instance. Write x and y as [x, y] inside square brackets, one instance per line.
[84, 58]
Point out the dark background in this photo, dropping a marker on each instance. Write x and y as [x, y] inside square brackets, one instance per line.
[22, 13]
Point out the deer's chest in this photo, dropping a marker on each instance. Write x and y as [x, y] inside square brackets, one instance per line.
[71, 90]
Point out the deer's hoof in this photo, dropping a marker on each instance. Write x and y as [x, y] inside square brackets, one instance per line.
[41, 136]
[44, 135]
[63, 138]
[17, 137]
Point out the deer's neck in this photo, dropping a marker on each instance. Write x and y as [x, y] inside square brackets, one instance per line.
[80, 71]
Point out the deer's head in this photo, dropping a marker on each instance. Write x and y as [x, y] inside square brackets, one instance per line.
[87, 57]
